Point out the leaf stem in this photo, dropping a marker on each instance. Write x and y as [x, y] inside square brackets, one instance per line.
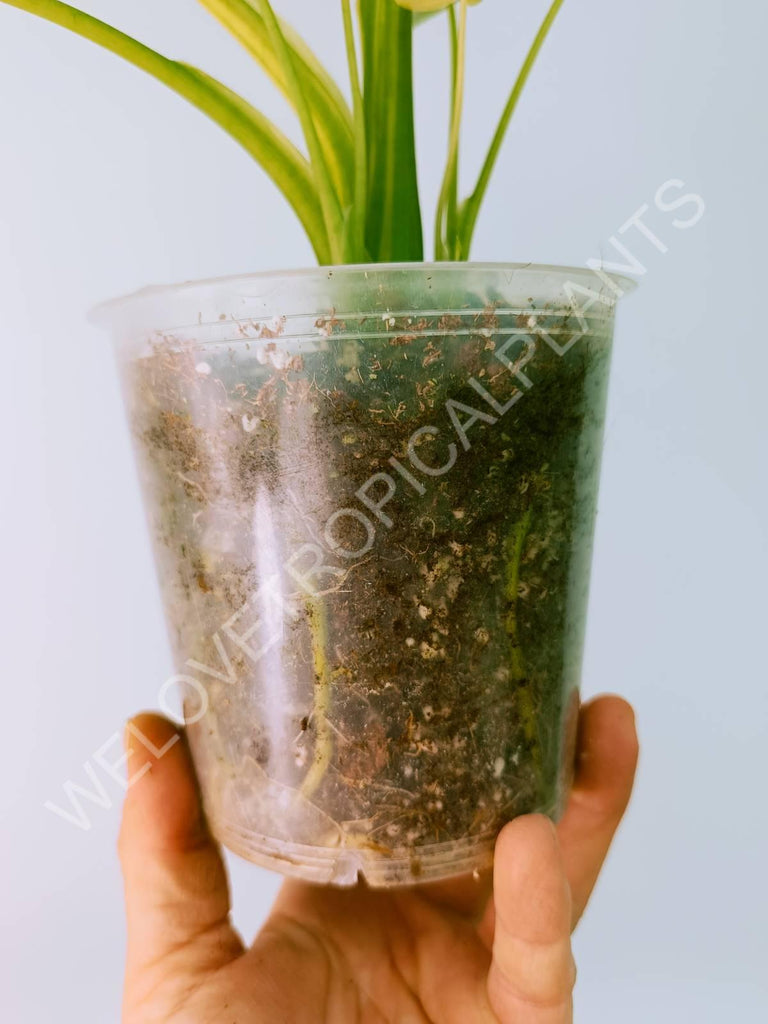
[393, 230]
[474, 202]
[453, 29]
[329, 200]
[446, 227]
[361, 155]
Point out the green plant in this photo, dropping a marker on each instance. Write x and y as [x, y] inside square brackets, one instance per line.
[356, 190]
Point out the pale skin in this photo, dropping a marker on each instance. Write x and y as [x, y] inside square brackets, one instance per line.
[493, 950]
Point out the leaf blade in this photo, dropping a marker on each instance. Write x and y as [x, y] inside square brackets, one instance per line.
[256, 134]
[329, 200]
[354, 249]
[330, 111]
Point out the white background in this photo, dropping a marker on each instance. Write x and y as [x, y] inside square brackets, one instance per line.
[108, 182]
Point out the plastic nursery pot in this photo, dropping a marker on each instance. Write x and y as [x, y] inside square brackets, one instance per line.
[372, 493]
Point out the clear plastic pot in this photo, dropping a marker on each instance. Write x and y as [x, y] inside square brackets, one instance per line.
[372, 494]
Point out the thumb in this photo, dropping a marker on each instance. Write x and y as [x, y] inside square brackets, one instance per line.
[176, 891]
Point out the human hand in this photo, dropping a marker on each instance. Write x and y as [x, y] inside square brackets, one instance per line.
[491, 951]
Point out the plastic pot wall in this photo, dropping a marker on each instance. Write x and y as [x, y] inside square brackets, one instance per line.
[371, 493]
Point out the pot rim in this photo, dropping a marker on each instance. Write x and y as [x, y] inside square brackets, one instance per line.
[102, 315]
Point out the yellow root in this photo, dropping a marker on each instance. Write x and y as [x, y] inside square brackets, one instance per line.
[318, 624]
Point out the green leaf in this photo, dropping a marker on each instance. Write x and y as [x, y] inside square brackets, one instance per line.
[277, 155]
[282, 161]
[330, 111]
[446, 220]
[354, 248]
[393, 228]
[473, 204]
[329, 201]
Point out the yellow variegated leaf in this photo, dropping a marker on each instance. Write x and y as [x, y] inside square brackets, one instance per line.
[258, 136]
